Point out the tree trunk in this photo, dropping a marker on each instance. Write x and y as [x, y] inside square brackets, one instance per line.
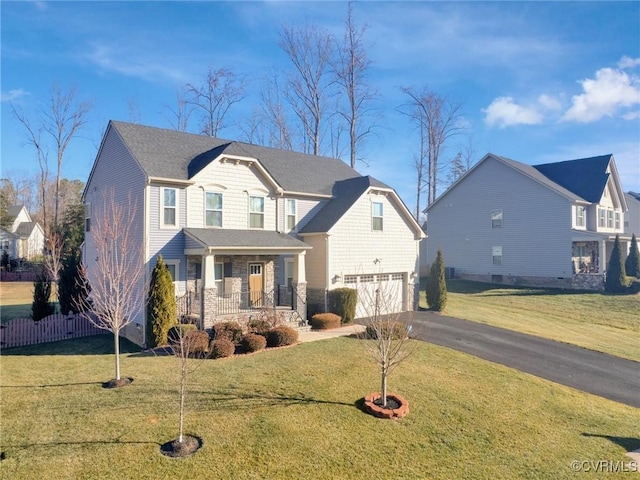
[383, 388]
[116, 342]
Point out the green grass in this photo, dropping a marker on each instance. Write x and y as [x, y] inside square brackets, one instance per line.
[16, 299]
[292, 413]
[605, 323]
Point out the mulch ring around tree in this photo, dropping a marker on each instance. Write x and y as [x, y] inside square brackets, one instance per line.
[176, 449]
[117, 383]
[396, 407]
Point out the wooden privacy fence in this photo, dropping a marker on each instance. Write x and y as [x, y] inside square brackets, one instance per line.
[24, 331]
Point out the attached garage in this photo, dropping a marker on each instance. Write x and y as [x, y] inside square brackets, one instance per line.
[378, 292]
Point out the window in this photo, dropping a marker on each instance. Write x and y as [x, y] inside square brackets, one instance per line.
[169, 207]
[601, 217]
[256, 212]
[288, 273]
[609, 218]
[174, 270]
[377, 216]
[497, 255]
[217, 277]
[213, 209]
[496, 218]
[291, 214]
[350, 279]
[617, 220]
[580, 216]
[87, 217]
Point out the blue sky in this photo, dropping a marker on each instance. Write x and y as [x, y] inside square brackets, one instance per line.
[539, 82]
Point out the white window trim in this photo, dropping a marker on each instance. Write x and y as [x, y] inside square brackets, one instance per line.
[581, 221]
[250, 212]
[497, 211]
[162, 207]
[176, 280]
[496, 253]
[288, 264]
[213, 210]
[219, 281]
[373, 216]
[287, 215]
[87, 216]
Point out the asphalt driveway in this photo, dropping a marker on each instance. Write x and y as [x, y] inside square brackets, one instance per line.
[605, 375]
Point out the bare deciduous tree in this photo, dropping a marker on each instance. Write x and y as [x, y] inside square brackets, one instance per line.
[438, 119]
[54, 246]
[179, 118]
[461, 163]
[220, 90]
[280, 135]
[386, 337]
[309, 49]
[118, 289]
[351, 65]
[63, 119]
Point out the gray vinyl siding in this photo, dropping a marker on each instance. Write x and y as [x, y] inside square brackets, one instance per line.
[116, 169]
[306, 210]
[536, 233]
[170, 242]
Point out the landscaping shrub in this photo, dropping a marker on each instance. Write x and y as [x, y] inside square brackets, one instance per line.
[398, 330]
[325, 321]
[161, 304]
[179, 331]
[616, 280]
[222, 347]
[281, 336]
[197, 341]
[232, 331]
[632, 263]
[436, 290]
[41, 307]
[343, 301]
[253, 342]
[259, 327]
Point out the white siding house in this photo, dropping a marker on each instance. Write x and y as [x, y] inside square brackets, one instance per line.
[24, 238]
[244, 227]
[552, 225]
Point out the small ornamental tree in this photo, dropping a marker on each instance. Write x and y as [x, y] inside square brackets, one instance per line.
[161, 305]
[632, 264]
[616, 281]
[436, 285]
[41, 307]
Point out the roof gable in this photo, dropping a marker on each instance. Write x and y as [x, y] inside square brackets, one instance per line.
[586, 177]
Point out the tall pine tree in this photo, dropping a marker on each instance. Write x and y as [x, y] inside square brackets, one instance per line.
[161, 305]
[41, 306]
[616, 281]
[632, 263]
[437, 285]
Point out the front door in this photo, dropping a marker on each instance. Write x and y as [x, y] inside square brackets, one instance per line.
[255, 284]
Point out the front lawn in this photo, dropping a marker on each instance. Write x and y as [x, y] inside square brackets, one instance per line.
[605, 323]
[292, 413]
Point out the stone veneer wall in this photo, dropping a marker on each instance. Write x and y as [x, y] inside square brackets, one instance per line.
[574, 282]
[300, 299]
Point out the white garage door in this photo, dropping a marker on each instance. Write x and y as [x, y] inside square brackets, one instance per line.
[377, 292]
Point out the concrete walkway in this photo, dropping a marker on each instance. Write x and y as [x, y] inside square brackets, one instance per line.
[314, 335]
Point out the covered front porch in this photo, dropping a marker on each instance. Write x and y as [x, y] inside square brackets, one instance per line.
[590, 255]
[239, 272]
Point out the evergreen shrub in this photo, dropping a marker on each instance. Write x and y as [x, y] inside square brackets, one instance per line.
[221, 347]
[281, 336]
[325, 321]
[230, 330]
[343, 302]
[253, 342]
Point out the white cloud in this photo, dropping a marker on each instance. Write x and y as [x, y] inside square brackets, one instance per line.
[628, 62]
[610, 91]
[504, 112]
[549, 102]
[631, 115]
[12, 95]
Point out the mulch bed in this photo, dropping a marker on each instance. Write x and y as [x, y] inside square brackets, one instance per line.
[176, 449]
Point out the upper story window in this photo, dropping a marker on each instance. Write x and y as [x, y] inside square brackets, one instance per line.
[213, 209]
[169, 207]
[256, 212]
[602, 217]
[617, 220]
[87, 217]
[580, 216]
[609, 218]
[291, 214]
[496, 218]
[377, 216]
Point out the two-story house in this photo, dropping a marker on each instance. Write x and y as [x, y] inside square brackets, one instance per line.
[24, 238]
[542, 225]
[244, 227]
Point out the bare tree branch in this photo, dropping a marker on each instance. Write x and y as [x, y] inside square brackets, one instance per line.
[179, 118]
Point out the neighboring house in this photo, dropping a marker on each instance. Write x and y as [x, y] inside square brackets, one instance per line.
[23, 238]
[243, 227]
[632, 215]
[543, 225]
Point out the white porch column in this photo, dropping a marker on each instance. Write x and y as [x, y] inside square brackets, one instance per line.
[209, 291]
[299, 268]
[208, 271]
[300, 284]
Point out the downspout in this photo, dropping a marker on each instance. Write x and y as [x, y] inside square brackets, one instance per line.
[327, 279]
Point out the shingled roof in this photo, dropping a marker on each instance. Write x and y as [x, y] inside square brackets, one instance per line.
[179, 155]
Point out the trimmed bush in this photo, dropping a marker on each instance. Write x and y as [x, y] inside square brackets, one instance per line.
[281, 336]
[179, 331]
[616, 280]
[232, 331]
[41, 306]
[259, 327]
[632, 263]
[325, 321]
[197, 341]
[343, 302]
[398, 330]
[162, 313]
[436, 290]
[253, 342]
[222, 347]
